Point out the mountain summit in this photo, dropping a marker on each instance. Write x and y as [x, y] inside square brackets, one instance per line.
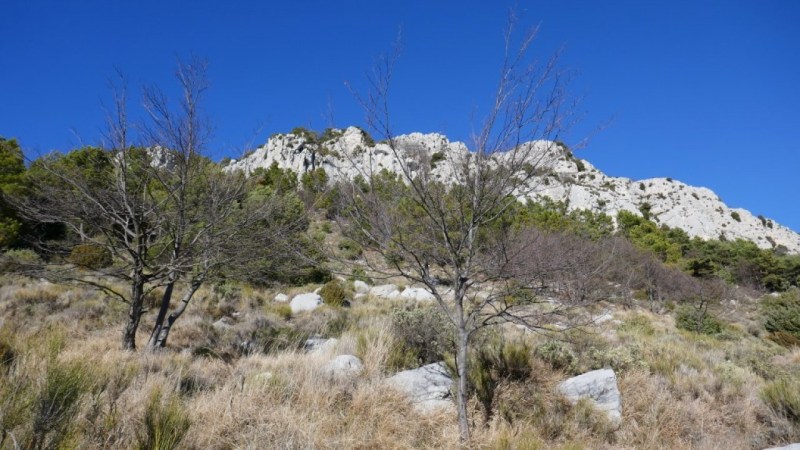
[560, 176]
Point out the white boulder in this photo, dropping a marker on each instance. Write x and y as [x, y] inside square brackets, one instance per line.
[600, 386]
[417, 293]
[305, 302]
[281, 298]
[428, 387]
[319, 344]
[386, 291]
[360, 287]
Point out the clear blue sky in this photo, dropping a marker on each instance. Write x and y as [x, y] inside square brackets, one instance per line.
[707, 92]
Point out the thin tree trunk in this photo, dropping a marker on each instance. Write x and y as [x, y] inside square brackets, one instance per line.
[461, 395]
[162, 313]
[165, 329]
[134, 312]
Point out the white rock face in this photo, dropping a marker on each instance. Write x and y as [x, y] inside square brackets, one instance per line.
[305, 302]
[428, 387]
[560, 177]
[597, 385]
[343, 368]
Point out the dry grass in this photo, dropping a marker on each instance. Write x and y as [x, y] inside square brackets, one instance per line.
[679, 390]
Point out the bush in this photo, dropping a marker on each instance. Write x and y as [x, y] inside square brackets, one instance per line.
[350, 249]
[557, 354]
[494, 361]
[783, 397]
[165, 424]
[57, 403]
[422, 336]
[735, 216]
[333, 293]
[782, 313]
[692, 319]
[436, 158]
[17, 259]
[90, 256]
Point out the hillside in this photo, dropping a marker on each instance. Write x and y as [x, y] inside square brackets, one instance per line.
[343, 154]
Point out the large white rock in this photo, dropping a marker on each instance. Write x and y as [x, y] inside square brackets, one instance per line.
[343, 368]
[428, 387]
[599, 386]
[786, 447]
[305, 302]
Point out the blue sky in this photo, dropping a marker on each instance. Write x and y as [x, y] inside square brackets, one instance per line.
[707, 92]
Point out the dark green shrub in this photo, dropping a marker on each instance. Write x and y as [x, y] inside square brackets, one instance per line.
[735, 216]
[165, 424]
[90, 256]
[494, 361]
[696, 320]
[782, 313]
[436, 158]
[580, 165]
[334, 293]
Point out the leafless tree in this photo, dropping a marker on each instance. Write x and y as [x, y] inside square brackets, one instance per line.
[454, 237]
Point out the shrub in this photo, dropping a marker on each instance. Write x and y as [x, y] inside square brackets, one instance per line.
[57, 403]
[165, 424]
[698, 321]
[436, 158]
[90, 256]
[333, 293]
[735, 216]
[494, 361]
[782, 313]
[557, 354]
[350, 249]
[783, 397]
[422, 336]
[580, 165]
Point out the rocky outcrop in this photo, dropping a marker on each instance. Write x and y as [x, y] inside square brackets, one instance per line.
[599, 386]
[428, 387]
[696, 210]
[342, 368]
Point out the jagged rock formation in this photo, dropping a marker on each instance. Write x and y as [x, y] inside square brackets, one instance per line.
[344, 154]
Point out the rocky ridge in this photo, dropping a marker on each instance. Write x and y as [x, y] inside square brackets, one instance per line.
[344, 154]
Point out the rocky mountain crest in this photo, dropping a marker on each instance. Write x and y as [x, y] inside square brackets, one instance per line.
[343, 154]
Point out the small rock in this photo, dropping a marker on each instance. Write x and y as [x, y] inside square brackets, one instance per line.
[599, 386]
[281, 298]
[305, 302]
[360, 287]
[319, 344]
[343, 368]
[428, 387]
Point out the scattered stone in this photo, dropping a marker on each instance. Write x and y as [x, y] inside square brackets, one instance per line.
[343, 368]
[305, 302]
[387, 291]
[428, 387]
[598, 385]
[281, 298]
[360, 287]
[319, 344]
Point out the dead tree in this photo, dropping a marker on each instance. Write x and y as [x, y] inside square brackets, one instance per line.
[455, 238]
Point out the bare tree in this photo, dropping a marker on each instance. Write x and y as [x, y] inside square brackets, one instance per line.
[455, 237]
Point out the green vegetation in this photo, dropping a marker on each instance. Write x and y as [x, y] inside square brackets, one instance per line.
[165, 424]
[334, 293]
[782, 315]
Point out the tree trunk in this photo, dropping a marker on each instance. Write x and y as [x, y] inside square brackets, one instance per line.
[162, 313]
[163, 334]
[135, 312]
[461, 394]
